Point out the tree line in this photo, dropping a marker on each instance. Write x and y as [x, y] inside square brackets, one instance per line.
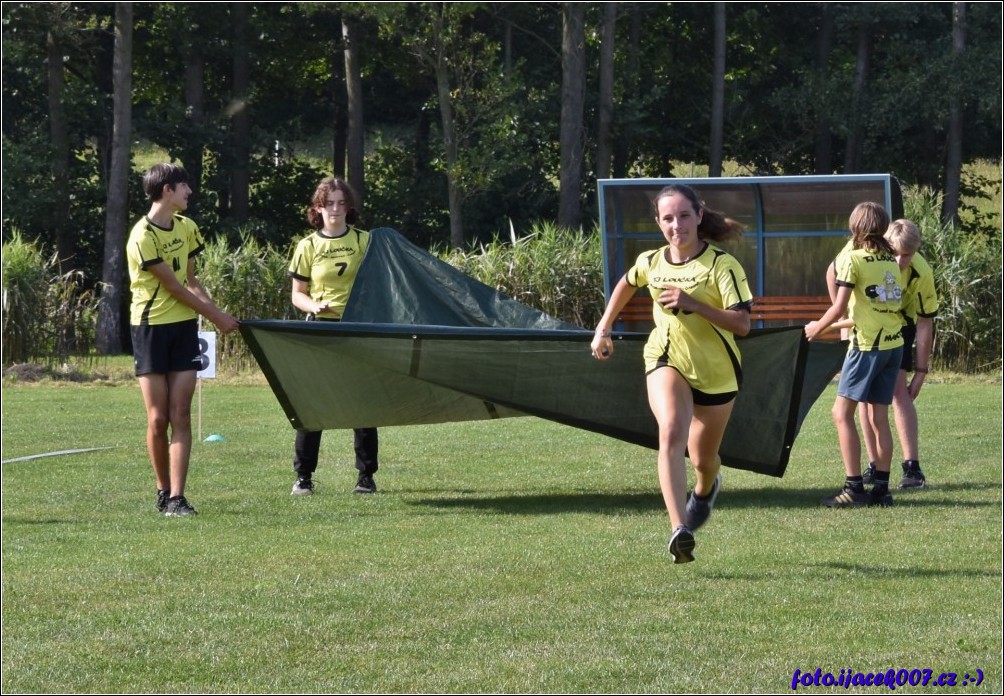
[456, 121]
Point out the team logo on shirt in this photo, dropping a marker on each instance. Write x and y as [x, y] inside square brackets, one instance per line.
[889, 291]
[336, 253]
[682, 282]
[171, 246]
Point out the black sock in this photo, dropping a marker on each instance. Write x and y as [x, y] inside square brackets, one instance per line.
[855, 482]
[881, 480]
[911, 464]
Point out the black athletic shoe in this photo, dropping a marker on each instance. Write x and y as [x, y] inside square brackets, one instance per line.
[880, 497]
[868, 475]
[681, 545]
[699, 509]
[365, 484]
[303, 486]
[913, 477]
[847, 498]
[162, 496]
[179, 507]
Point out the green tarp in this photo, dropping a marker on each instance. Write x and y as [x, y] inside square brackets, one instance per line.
[424, 343]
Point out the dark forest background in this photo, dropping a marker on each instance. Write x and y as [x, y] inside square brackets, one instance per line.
[459, 122]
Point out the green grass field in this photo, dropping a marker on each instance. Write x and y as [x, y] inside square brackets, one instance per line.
[512, 556]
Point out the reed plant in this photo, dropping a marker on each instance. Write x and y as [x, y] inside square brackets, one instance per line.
[48, 315]
[968, 276]
[250, 282]
[555, 270]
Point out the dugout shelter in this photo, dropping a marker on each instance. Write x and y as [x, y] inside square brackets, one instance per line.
[795, 225]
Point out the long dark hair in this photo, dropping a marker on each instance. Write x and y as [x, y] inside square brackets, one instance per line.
[714, 225]
[320, 199]
[868, 224]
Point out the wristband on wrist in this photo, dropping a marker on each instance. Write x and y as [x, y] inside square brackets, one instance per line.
[602, 333]
[920, 369]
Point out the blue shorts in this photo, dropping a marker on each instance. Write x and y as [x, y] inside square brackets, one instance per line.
[870, 376]
[163, 348]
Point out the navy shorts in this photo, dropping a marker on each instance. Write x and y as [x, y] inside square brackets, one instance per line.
[870, 376]
[163, 348]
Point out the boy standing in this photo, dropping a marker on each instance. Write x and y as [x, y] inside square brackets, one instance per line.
[920, 306]
[166, 299]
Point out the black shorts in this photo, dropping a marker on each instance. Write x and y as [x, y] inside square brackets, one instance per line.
[700, 398]
[703, 399]
[909, 336]
[163, 348]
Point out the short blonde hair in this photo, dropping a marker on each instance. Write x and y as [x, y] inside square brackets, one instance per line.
[904, 236]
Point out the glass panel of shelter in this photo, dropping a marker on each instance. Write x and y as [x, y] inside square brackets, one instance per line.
[794, 225]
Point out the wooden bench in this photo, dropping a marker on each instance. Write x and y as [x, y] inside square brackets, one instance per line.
[772, 311]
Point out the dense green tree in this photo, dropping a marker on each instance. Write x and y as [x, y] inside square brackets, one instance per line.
[493, 71]
[113, 272]
[573, 92]
[605, 106]
[479, 121]
[54, 126]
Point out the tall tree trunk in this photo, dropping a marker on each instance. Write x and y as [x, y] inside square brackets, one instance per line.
[354, 92]
[604, 143]
[823, 156]
[195, 111]
[240, 168]
[856, 136]
[573, 90]
[622, 146]
[455, 195]
[718, 94]
[116, 213]
[59, 157]
[411, 218]
[452, 152]
[339, 95]
[953, 155]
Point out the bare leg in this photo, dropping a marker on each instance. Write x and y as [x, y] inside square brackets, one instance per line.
[706, 434]
[155, 398]
[847, 435]
[883, 436]
[905, 413]
[867, 432]
[181, 388]
[672, 404]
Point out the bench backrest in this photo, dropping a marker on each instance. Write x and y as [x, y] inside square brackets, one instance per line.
[768, 312]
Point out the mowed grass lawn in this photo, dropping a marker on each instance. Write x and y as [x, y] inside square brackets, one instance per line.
[507, 556]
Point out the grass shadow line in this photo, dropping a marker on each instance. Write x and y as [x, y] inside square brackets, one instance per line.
[825, 571]
[649, 501]
[551, 504]
[794, 498]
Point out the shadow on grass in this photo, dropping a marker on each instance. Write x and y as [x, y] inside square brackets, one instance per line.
[642, 502]
[810, 497]
[826, 570]
[880, 571]
[554, 504]
[12, 520]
